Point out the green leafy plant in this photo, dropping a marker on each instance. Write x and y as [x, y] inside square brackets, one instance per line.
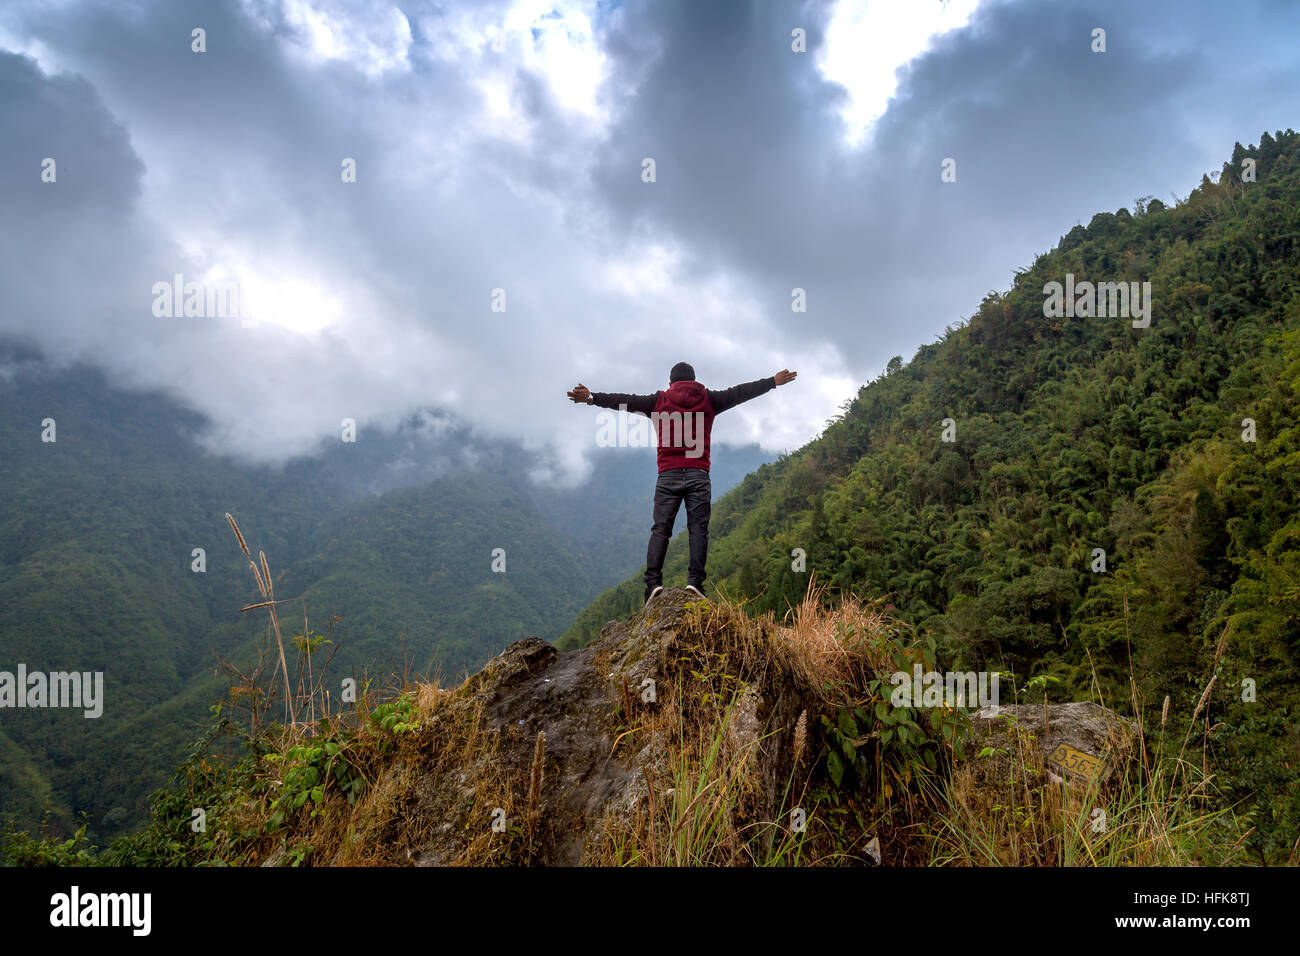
[396, 716]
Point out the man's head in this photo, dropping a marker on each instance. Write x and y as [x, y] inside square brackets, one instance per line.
[681, 373]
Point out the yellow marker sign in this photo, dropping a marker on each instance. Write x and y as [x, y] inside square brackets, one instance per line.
[1069, 760]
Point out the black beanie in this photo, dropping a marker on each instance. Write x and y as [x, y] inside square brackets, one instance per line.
[681, 372]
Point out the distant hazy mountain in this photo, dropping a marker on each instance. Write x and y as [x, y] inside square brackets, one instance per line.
[393, 535]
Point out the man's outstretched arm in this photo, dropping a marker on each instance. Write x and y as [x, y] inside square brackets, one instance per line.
[731, 397]
[644, 404]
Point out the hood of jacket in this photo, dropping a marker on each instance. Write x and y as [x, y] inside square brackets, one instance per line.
[686, 395]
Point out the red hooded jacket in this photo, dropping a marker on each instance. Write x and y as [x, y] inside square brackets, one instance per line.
[682, 416]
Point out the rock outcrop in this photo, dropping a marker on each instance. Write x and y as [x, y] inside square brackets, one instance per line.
[688, 734]
[1080, 741]
[572, 747]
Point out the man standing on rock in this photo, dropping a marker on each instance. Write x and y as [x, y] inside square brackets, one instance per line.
[682, 419]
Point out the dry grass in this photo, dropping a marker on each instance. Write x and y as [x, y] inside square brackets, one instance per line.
[397, 805]
[444, 773]
[706, 803]
[439, 780]
[837, 649]
[833, 652]
[1028, 817]
[248, 685]
[1159, 809]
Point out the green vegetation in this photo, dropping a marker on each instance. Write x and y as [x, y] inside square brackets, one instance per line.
[388, 540]
[1076, 434]
[1117, 517]
[1163, 808]
[384, 780]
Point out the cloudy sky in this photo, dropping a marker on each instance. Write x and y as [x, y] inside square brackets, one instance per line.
[501, 146]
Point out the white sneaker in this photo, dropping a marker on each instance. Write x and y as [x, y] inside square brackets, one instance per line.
[653, 594]
[692, 588]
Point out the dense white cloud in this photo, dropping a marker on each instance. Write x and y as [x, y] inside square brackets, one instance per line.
[372, 38]
[869, 41]
[500, 146]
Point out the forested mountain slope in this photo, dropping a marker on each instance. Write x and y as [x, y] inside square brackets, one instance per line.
[1171, 451]
[390, 540]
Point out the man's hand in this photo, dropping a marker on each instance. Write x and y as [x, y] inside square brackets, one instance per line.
[784, 376]
[580, 394]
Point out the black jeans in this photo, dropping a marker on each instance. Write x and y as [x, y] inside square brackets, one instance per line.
[673, 487]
